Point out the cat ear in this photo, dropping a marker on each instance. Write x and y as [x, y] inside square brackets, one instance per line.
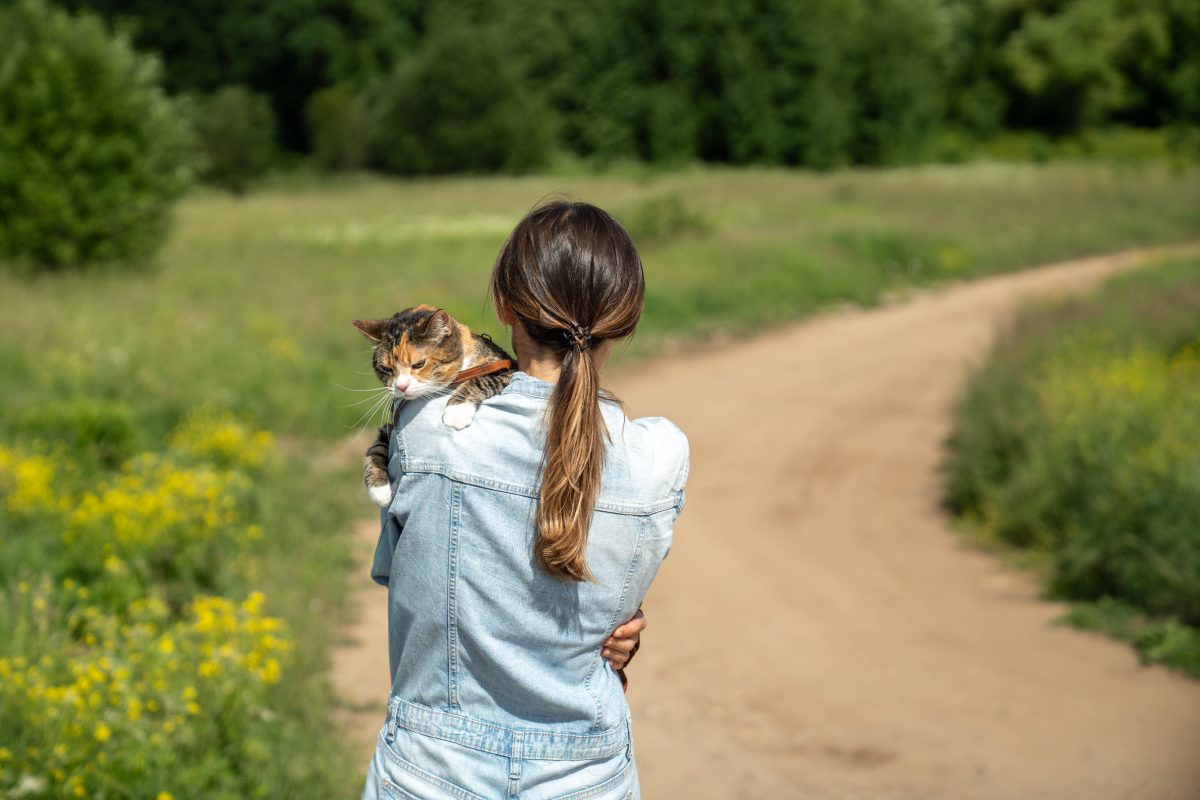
[371, 328]
[439, 325]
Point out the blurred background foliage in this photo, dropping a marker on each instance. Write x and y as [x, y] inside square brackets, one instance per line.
[92, 152]
[768, 82]
[483, 86]
[1075, 445]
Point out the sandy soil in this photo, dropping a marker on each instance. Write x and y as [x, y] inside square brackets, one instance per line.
[818, 631]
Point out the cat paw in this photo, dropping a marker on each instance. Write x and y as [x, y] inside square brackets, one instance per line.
[459, 415]
[380, 495]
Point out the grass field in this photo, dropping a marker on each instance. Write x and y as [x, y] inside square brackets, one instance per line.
[248, 311]
[1074, 452]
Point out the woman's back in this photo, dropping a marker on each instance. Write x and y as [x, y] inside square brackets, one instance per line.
[479, 633]
[514, 547]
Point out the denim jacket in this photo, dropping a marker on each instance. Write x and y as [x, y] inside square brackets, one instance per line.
[487, 649]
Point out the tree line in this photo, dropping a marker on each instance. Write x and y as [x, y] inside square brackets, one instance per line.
[110, 108]
[429, 86]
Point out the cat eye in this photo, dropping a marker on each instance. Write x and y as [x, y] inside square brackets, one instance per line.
[418, 364]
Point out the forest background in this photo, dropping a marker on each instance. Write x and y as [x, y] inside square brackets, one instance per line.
[420, 86]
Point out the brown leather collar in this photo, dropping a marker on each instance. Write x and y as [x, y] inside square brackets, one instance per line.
[484, 369]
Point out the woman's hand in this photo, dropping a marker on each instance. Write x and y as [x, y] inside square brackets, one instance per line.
[620, 647]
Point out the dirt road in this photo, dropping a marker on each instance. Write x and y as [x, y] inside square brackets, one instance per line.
[817, 631]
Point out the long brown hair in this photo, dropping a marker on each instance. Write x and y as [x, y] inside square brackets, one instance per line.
[570, 273]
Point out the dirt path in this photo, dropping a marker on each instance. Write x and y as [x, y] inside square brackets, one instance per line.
[817, 632]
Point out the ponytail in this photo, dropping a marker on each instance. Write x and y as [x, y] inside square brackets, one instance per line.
[570, 274]
[571, 468]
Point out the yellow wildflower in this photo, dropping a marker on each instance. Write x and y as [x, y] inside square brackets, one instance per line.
[270, 672]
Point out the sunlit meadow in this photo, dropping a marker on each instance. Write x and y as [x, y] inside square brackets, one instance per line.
[175, 480]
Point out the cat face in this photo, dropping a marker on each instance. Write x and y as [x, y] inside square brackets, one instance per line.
[417, 352]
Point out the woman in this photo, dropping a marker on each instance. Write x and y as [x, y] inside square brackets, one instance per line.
[515, 546]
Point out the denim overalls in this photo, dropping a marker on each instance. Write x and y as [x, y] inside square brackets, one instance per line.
[498, 686]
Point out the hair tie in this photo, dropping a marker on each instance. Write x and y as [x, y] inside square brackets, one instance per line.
[579, 336]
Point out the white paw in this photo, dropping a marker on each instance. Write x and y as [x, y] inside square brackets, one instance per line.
[459, 415]
[380, 495]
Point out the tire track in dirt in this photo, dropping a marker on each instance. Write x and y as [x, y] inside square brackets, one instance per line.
[817, 631]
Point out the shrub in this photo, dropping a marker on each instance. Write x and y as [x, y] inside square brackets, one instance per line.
[338, 129]
[128, 668]
[458, 103]
[91, 431]
[235, 133]
[1075, 440]
[142, 703]
[899, 256]
[220, 438]
[157, 524]
[1112, 488]
[661, 218]
[27, 485]
[92, 152]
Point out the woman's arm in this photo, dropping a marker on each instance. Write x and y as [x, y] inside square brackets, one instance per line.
[620, 647]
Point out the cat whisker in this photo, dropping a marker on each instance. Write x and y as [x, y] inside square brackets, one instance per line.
[372, 389]
[360, 402]
[363, 427]
[370, 412]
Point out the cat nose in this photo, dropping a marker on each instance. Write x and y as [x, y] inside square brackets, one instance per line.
[402, 383]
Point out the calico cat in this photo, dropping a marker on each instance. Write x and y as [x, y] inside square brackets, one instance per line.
[421, 351]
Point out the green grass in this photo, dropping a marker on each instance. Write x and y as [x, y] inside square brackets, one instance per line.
[249, 305]
[1074, 449]
[1112, 145]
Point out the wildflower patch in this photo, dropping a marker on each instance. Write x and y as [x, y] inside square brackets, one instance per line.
[132, 665]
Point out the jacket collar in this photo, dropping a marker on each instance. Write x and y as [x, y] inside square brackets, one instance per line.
[524, 383]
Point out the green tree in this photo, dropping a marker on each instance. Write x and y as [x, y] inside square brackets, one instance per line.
[235, 132]
[285, 49]
[902, 47]
[338, 128]
[458, 103]
[1063, 67]
[92, 152]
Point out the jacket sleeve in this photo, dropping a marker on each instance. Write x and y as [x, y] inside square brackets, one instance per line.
[682, 454]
